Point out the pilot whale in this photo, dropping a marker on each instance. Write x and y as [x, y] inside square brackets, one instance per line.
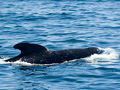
[38, 54]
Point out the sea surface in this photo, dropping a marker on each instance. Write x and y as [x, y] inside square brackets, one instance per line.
[57, 25]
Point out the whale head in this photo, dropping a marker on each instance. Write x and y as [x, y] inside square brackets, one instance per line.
[93, 50]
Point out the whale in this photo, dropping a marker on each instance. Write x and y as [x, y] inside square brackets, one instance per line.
[38, 54]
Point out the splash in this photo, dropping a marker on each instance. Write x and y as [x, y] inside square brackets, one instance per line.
[22, 63]
[107, 55]
[2, 60]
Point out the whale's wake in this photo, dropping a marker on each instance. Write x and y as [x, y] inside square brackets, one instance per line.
[107, 54]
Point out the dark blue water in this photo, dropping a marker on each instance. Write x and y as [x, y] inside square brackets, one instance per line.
[61, 24]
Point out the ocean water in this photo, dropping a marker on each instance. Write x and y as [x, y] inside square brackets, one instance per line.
[61, 24]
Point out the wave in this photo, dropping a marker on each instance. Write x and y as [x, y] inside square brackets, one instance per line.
[107, 55]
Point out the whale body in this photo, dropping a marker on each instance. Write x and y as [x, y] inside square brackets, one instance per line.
[38, 54]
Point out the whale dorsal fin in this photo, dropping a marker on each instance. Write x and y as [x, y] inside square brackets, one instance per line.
[28, 48]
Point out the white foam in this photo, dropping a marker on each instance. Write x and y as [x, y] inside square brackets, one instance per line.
[108, 54]
[2, 60]
[22, 63]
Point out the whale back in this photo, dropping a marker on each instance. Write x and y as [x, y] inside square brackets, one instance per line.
[34, 53]
[29, 48]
